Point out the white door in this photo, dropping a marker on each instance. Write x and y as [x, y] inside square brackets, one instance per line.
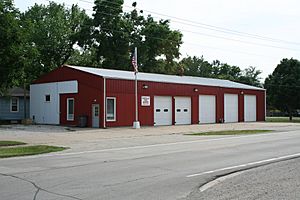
[95, 115]
[182, 110]
[249, 108]
[231, 108]
[207, 109]
[162, 110]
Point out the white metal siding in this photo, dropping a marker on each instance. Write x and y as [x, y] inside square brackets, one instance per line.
[207, 109]
[162, 110]
[182, 110]
[250, 108]
[231, 108]
[48, 112]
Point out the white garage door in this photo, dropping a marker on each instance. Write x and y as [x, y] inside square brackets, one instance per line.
[162, 110]
[231, 108]
[207, 109]
[182, 110]
[250, 108]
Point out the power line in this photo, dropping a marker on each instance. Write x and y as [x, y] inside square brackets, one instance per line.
[214, 36]
[188, 43]
[207, 26]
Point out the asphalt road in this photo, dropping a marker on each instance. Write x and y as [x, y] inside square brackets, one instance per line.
[173, 170]
[275, 181]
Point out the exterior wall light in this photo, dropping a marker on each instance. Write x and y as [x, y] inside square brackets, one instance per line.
[145, 86]
[195, 89]
[242, 92]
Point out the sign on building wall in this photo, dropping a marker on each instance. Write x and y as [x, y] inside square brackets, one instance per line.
[145, 101]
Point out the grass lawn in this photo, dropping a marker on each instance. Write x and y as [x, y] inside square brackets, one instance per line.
[28, 150]
[232, 132]
[282, 119]
[10, 143]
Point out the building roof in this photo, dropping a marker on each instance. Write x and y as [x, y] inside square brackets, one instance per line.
[128, 75]
[15, 92]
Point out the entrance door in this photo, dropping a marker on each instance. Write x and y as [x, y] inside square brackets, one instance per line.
[182, 110]
[95, 116]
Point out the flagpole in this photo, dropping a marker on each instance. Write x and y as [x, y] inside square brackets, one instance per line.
[136, 123]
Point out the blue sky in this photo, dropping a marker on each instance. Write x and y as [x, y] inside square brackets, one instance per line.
[268, 18]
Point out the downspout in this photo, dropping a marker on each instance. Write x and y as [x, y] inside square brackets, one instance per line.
[104, 102]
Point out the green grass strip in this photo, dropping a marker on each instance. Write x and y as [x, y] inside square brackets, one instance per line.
[231, 132]
[282, 119]
[10, 143]
[28, 150]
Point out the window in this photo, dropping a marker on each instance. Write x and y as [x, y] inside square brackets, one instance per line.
[14, 104]
[96, 111]
[47, 98]
[70, 109]
[110, 109]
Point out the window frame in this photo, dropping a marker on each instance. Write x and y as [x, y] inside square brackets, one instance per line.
[115, 109]
[68, 115]
[18, 101]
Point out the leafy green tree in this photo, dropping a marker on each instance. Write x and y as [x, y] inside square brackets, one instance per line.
[161, 45]
[250, 76]
[116, 33]
[84, 58]
[10, 38]
[283, 85]
[51, 32]
[111, 34]
[195, 66]
[225, 71]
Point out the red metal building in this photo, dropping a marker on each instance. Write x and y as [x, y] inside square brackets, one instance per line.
[106, 98]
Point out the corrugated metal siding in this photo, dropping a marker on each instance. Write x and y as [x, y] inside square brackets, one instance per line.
[90, 88]
[5, 113]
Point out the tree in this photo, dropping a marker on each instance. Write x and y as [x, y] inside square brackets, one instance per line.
[115, 34]
[161, 46]
[50, 35]
[225, 71]
[10, 37]
[111, 35]
[195, 66]
[283, 85]
[250, 76]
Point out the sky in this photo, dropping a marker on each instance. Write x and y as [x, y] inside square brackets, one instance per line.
[245, 33]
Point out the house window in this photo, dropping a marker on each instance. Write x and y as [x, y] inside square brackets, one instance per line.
[14, 104]
[70, 109]
[110, 109]
[47, 98]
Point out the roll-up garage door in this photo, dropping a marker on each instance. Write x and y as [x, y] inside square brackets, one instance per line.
[162, 110]
[231, 108]
[250, 108]
[182, 110]
[207, 109]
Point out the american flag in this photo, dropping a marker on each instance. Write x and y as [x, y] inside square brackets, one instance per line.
[134, 61]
